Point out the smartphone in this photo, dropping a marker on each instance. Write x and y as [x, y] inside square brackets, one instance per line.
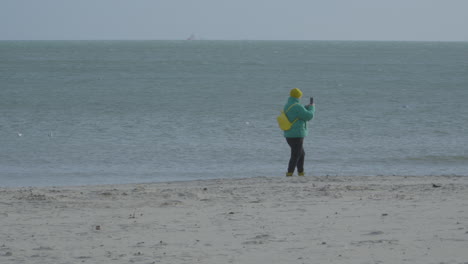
[311, 100]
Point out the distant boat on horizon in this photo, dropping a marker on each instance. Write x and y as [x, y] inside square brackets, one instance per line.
[191, 37]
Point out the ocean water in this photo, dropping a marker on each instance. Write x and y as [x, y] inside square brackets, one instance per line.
[97, 112]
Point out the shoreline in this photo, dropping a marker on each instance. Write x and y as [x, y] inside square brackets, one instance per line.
[188, 181]
[327, 219]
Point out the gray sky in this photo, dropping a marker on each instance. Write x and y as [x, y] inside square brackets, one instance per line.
[432, 20]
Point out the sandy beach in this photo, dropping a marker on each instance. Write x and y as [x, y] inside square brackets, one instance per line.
[384, 219]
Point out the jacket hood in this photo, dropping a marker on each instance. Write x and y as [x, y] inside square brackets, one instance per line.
[293, 100]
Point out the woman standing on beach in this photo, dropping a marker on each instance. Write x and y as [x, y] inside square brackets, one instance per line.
[295, 136]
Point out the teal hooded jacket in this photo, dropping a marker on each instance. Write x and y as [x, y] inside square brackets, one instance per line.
[302, 113]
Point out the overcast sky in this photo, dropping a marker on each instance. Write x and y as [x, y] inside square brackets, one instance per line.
[426, 20]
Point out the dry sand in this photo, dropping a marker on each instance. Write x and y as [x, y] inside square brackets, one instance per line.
[385, 219]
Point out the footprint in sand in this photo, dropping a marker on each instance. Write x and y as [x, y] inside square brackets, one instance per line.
[258, 239]
[374, 233]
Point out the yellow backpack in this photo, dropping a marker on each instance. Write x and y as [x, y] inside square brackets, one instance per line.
[283, 121]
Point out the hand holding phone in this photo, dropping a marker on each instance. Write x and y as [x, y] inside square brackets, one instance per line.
[311, 100]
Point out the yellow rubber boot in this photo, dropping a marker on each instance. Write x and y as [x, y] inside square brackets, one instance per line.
[289, 174]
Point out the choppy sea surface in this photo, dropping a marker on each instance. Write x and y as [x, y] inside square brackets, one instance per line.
[98, 112]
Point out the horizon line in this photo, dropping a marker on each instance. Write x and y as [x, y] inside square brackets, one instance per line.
[197, 40]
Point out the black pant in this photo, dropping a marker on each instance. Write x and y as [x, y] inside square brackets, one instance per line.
[297, 154]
